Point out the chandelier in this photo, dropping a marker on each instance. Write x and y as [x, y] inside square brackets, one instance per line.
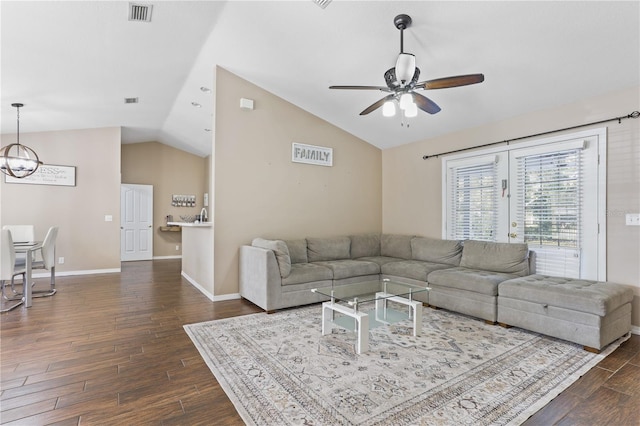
[18, 161]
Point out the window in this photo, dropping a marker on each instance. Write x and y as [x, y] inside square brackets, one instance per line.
[548, 193]
[473, 202]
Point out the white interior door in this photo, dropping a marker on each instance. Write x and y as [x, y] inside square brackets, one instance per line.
[136, 222]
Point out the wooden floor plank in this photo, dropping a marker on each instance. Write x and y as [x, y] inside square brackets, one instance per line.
[110, 349]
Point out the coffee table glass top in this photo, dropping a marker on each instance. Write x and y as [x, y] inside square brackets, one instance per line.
[381, 298]
[370, 291]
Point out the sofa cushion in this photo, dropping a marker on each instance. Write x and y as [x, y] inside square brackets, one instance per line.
[297, 250]
[306, 273]
[350, 268]
[281, 251]
[593, 297]
[319, 249]
[438, 251]
[506, 258]
[380, 260]
[365, 245]
[415, 269]
[476, 280]
[393, 245]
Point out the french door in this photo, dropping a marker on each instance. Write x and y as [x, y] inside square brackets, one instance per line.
[547, 193]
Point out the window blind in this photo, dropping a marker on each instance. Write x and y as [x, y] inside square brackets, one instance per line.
[473, 201]
[549, 210]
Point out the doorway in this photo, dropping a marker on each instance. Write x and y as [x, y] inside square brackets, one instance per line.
[136, 222]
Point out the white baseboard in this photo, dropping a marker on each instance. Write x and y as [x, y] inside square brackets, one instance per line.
[72, 273]
[210, 296]
[198, 286]
[167, 257]
[635, 329]
[232, 296]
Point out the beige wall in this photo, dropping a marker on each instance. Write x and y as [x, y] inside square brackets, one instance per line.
[260, 192]
[85, 240]
[412, 194]
[170, 171]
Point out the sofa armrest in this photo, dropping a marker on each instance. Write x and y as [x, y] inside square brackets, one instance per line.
[260, 280]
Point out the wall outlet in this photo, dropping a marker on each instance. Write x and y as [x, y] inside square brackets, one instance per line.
[60, 260]
[633, 219]
[108, 218]
[177, 247]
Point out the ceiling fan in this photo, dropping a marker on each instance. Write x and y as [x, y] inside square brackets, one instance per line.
[402, 82]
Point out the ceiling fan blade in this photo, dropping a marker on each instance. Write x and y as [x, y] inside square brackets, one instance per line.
[425, 104]
[381, 88]
[377, 104]
[443, 83]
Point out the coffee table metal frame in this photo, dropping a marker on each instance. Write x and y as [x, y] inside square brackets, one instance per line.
[362, 318]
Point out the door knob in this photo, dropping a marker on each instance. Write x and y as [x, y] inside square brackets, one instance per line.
[513, 235]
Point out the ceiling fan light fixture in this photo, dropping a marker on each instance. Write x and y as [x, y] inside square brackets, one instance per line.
[405, 67]
[403, 85]
[406, 100]
[411, 110]
[389, 109]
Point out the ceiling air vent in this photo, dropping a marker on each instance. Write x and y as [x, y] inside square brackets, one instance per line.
[139, 12]
[130, 100]
[322, 3]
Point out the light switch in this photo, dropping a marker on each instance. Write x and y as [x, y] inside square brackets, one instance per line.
[633, 219]
[108, 218]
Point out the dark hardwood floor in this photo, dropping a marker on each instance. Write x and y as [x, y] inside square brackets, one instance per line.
[110, 350]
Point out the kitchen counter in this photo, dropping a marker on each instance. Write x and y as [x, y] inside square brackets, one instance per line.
[191, 224]
[197, 255]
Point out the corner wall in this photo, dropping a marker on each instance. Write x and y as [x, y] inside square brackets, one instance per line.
[85, 240]
[418, 207]
[259, 192]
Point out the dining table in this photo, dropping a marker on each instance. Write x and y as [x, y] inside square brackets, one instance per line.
[28, 248]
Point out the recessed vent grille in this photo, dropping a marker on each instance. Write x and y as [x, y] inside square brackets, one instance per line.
[130, 100]
[322, 3]
[139, 12]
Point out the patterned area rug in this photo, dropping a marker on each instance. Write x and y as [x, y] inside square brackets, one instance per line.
[279, 370]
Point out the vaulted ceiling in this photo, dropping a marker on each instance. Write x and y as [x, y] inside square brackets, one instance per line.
[73, 63]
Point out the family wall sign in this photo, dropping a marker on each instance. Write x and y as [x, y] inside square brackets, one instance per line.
[311, 154]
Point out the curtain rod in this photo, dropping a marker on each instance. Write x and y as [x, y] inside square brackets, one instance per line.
[634, 114]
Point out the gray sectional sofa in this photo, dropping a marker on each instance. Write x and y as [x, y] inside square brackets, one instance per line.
[475, 278]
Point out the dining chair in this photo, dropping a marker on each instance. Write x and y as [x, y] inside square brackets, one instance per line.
[47, 261]
[21, 234]
[8, 268]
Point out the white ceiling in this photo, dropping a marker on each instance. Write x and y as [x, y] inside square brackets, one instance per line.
[73, 63]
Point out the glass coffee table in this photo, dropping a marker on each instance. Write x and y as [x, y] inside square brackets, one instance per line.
[364, 306]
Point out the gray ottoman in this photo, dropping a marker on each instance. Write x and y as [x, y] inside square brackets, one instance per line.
[590, 313]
